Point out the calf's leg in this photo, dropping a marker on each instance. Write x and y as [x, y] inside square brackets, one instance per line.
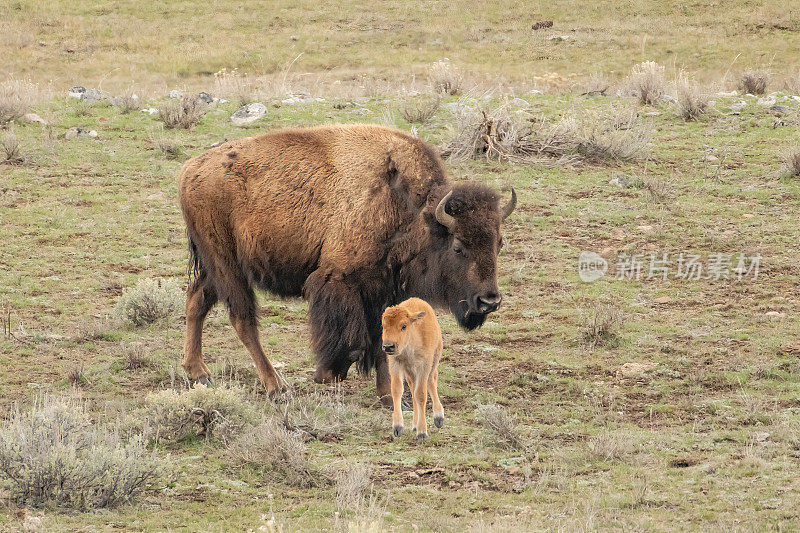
[397, 400]
[420, 401]
[438, 410]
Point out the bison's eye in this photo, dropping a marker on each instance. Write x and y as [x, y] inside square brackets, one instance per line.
[403, 327]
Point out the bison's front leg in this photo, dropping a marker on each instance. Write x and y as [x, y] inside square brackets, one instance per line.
[382, 380]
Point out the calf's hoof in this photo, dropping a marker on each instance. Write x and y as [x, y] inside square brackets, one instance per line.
[438, 421]
[397, 431]
[422, 436]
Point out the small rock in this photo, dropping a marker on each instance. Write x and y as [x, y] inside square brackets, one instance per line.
[249, 113]
[669, 99]
[175, 93]
[780, 110]
[767, 101]
[652, 113]
[791, 98]
[620, 180]
[150, 111]
[748, 215]
[662, 300]
[205, 98]
[76, 91]
[33, 117]
[738, 105]
[93, 95]
[712, 158]
[774, 314]
[644, 228]
[761, 436]
[79, 132]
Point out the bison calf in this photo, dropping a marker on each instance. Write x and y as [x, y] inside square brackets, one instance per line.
[412, 341]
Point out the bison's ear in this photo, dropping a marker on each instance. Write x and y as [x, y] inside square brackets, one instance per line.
[416, 317]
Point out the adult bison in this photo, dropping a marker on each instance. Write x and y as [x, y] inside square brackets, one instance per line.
[355, 218]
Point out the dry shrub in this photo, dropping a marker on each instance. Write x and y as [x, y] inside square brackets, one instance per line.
[231, 85]
[17, 96]
[352, 486]
[502, 135]
[611, 446]
[324, 416]
[135, 357]
[420, 108]
[754, 81]
[499, 421]
[201, 411]
[596, 85]
[53, 454]
[169, 147]
[127, 102]
[11, 152]
[445, 78]
[183, 112]
[270, 443]
[647, 82]
[150, 301]
[792, 83]
[791, 163]
[692, 100]
[601, 327]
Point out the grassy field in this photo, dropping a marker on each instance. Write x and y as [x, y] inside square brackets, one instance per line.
[618, 404]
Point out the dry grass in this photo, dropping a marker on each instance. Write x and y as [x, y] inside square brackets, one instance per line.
[11, 151]
[611, 446]
[596, 85]
[445, 78]
[352, 486]
[754, 81]
[17, 96]
[270, 443]
[692, 99]
[169, 147]
[601, 327]
[127, 102]
[792, 83]
[647, 82]
[791, 163]
[419, 109]
[501, 423]
[231, 85]
[182, 113]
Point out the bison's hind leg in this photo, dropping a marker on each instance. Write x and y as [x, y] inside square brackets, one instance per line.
[200, 298]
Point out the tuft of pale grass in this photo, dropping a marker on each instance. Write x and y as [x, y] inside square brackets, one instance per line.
[127, 102]
[169, 147]
[231, 85]
[53, 454]
[613, 135]
[270, 443]
[596, 85]
[791, 163]
[220, 411]
[611, 446]
[419, 109]
[17, 96]
[353, 484]
[647, 82]
[150, 301]
[792, 83]
[11, 151]
[445, 78]
[601, 327]
[502, 424]
[692, 99]
[182, 113]
[754, 81]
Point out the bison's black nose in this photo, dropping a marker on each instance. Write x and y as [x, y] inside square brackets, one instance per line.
[389, 348]
[488, 302]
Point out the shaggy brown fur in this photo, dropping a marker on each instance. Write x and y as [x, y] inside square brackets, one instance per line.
[345, 216]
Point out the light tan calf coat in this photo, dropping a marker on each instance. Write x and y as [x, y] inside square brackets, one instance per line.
[412, 341]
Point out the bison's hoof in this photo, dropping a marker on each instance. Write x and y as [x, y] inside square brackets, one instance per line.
[203, 380]
[438, 421]
[397, 431]
[422, 436]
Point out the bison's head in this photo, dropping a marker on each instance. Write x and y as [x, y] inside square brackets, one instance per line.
[466, 239]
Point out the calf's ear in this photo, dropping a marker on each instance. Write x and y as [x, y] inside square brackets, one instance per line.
[417, 316]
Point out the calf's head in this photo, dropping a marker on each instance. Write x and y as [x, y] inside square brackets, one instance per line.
[397, 324]
[466, 240]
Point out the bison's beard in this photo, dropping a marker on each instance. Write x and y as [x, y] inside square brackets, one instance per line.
[466, 318]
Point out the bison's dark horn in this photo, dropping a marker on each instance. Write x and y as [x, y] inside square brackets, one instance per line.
[509, 207]
[448, 221]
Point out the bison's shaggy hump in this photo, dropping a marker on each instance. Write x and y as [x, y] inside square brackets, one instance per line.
[344, 215]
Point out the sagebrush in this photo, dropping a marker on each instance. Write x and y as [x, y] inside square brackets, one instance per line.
[17, 96]
[149, 301]
[53, 454]
[691, 99]
[446, 78]
[183, 112]
[647, 82]
[754, 81]
[419, 108]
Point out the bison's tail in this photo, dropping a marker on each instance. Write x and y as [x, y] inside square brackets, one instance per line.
[195, 267]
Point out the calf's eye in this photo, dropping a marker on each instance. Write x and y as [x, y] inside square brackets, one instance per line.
[403, 327]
